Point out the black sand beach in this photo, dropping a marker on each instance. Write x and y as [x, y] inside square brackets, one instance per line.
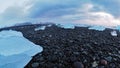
[72, 48]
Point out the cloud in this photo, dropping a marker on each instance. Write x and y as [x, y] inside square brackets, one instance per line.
[110, 6]
[100, 18]
[54, 8]
[100, 12]
[88, 16]
[5, 4]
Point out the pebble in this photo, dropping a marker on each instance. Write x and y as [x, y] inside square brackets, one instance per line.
[112, 65]
[119, 52]
[76, 53]
[35, 65]
[94, 64]
[109, 58]
[41, 59]
[78, 65]
[101, 66]
[52, 58]
[50, 35]
[103, 62]
[73, 59]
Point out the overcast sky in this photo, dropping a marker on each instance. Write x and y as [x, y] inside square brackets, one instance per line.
[93, 12]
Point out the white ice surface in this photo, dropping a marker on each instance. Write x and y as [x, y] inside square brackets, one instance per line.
[14, 61]
[72, 26]
[99, 28]
[118, 27]
[40, 28]
[114, 33]
[15, 50]
[66, 26]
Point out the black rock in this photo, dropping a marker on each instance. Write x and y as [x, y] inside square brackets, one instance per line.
[78, 65]
[35, 65]
[103, 62]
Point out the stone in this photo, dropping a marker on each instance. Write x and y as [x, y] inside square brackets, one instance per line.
[41, 58]
[52, 58]
[73, 59]
[35, 65]
[103, 62]
[78, 65]
[101, 66]
[76, 53]
[50, 35]
[109, 58]
[94, 64]
[112, 65]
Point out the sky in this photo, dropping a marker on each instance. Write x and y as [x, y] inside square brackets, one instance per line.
[92, 12]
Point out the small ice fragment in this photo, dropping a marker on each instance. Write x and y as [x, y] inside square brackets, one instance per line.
[40, 28]
[49, 25]
[99, 28]
[66, 26]
[114, 33]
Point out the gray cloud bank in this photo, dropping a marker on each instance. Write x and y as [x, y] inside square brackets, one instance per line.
[92, 12]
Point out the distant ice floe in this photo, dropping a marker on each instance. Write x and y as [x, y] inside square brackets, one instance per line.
[114, 33]
[72, 26]
[49, 25]
[81, 25]
[40, 28]
[99, 28]
[118, 27]
[66, 26]
[15, 50]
